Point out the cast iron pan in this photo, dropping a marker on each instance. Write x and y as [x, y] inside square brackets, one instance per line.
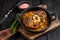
[50, 18]
[14, 9]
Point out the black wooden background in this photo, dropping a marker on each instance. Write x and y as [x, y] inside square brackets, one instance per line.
[53, 5]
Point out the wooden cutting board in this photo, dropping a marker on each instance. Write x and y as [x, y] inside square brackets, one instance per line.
[32, 36]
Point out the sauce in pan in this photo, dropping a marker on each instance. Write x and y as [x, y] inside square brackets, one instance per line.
[36, 20]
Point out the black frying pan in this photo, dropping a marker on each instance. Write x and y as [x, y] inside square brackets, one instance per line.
[50, 18]
[14, 9]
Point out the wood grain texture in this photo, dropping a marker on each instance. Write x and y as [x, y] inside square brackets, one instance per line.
[5, 34]
[32, 36]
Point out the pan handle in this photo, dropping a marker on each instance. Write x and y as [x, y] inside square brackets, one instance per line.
[18, 17]
[2, 20]
[53, 16]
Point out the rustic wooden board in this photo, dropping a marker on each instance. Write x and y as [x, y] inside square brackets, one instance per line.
[31, 36]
